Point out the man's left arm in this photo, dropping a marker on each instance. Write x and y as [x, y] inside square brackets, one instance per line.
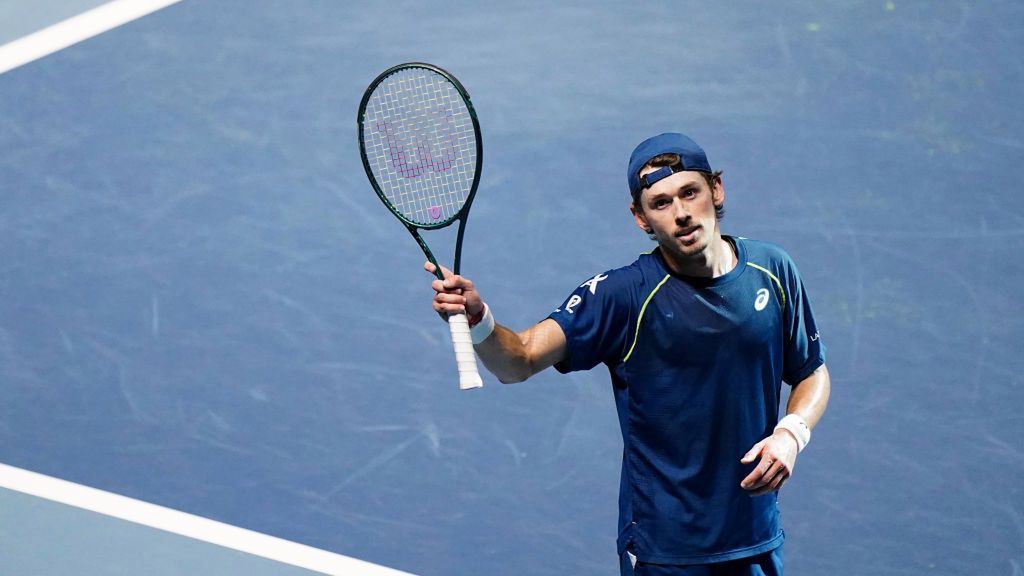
[807, 402]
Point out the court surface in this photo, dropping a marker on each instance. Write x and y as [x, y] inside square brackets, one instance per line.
[205, 307]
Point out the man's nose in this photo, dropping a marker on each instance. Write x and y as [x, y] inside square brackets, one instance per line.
[682, 216]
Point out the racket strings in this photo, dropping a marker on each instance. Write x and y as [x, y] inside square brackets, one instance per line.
[421, 145]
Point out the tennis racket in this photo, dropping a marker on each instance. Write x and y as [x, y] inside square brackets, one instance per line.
[420, 143]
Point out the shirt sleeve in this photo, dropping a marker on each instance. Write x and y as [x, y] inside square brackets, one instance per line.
[595, 319]
[804, 350]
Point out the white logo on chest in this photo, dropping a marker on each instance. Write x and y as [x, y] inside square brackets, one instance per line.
[762, 299]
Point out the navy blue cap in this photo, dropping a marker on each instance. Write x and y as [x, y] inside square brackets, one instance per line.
[691, 154]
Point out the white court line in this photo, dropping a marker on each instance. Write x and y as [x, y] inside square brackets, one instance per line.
[202, 529]
[75, 29]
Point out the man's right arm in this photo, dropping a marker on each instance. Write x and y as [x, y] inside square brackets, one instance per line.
[512, 357]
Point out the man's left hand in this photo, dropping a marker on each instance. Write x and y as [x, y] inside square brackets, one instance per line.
[778, 459]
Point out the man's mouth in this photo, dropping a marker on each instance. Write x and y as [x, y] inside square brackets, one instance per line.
[687, 233]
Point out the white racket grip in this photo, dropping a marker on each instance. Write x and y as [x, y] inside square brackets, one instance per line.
[465, 357]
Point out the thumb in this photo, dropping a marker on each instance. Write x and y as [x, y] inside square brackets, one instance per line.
[753, 452]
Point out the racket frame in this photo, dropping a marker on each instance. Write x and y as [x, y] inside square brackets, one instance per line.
[462, 215]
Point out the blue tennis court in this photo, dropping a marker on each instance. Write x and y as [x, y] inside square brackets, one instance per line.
[206, 308]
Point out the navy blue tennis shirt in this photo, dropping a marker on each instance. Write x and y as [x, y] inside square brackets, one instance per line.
[697, 366]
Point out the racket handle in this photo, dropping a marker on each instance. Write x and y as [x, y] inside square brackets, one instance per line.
[465, 357]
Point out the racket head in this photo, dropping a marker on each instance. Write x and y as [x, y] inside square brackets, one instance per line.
[419, 139]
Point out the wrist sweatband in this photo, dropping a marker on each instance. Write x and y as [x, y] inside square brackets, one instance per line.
[476, 318]
[484, 327]
[796, 426]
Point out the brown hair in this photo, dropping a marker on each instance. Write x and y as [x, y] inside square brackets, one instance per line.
[672, 159]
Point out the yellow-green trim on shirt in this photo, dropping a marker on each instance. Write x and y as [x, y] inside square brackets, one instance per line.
[636, 334]
[782, 292]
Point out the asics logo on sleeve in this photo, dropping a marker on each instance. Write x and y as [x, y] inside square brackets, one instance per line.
[575, 299]
[762, 299]
[572, 303]
[592, 283]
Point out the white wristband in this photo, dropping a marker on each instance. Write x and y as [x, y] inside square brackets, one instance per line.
[484, 327]
[796, 426]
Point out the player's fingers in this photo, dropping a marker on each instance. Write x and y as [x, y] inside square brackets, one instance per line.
[779, 471]
[762, 474]
[448, 286]
[450, 282]
[753, 453]
[775, 472]
[458, 283]
[430, 267]
[447, 298]
[750, 482]
[778, 480]
[450, 303]
[775, 478]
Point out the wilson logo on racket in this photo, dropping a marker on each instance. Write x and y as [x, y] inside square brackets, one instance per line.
[423, 158]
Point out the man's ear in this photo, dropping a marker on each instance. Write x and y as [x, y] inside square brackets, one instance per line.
[639, 218]
[718, 193]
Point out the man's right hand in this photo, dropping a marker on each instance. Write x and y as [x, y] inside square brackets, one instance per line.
[455, 294]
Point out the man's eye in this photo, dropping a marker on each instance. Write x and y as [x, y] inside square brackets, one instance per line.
[661, 203]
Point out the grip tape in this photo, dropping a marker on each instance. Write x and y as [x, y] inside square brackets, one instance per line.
[465, 357]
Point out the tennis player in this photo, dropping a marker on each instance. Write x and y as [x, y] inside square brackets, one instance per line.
[698, 335]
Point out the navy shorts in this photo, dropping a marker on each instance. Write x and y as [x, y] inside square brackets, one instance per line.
[766, 564]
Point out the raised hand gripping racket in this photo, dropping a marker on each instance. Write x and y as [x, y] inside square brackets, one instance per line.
[420, 143]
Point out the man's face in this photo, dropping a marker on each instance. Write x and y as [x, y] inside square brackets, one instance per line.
[680, 212]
